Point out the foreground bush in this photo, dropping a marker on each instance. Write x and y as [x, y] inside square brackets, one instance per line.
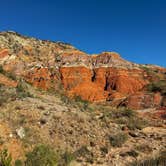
[42, 155]
[22, 91]
[5, 158]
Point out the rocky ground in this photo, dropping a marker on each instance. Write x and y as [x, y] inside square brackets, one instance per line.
[97, 133]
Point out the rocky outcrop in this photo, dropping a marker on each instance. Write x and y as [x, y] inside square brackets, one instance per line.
[142, 100]
[100, 83]
[111, 59]
[121, 80]
[78, 82]
[7, 81]
[74, 76]
[39, 77]
[3, 53]
[74, 58]
[43, 78]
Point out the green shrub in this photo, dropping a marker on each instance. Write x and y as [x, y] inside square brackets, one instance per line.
[122, 112]
[104, 150]
[66, 159]
[136, 123]
[42, 155]
[84, 152]
[3, 99]
[132, 123]
[129, 118]
[65, 99]
[5, 158]
[1, 70]
[159, 86]
[143, 148]
[22, 91]
[20, 88]
[6, 94]
[76, 102]
[131, 153]
[82, 104]
[159, 160]
[112, 113]
[118, 139]
[128, 112]
[18, 163]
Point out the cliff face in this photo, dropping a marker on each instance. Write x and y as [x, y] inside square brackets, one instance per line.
[78, 81]
[98, 84]
[96, 78]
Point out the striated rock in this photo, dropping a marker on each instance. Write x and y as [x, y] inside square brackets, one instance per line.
[120, 80]
[89, 91]
[143, 100]
[39, 77]
[103, 77]
[75, 58]
[78, 82]
[100, 83]
[73, 76]
[4, 53]
[43, 78]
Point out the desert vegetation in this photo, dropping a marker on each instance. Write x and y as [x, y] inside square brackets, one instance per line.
[41, 155]
[159, 86]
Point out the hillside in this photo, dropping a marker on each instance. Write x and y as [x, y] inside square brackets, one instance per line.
[90, 109]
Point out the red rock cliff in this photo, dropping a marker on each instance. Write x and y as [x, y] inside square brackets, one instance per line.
[103, 77]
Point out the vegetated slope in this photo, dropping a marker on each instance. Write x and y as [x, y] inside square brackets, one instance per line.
[79, 132]
[59, 101]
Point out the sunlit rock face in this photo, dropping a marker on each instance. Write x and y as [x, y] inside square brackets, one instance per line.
[142, 100]
[96, 78]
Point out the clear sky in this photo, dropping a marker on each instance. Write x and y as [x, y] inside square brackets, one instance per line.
[134, 28]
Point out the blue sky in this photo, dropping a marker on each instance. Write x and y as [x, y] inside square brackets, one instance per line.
[134, 28]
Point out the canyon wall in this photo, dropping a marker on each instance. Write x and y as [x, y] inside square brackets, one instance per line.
[105, 77]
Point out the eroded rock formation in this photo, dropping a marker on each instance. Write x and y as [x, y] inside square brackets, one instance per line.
[96, 78]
